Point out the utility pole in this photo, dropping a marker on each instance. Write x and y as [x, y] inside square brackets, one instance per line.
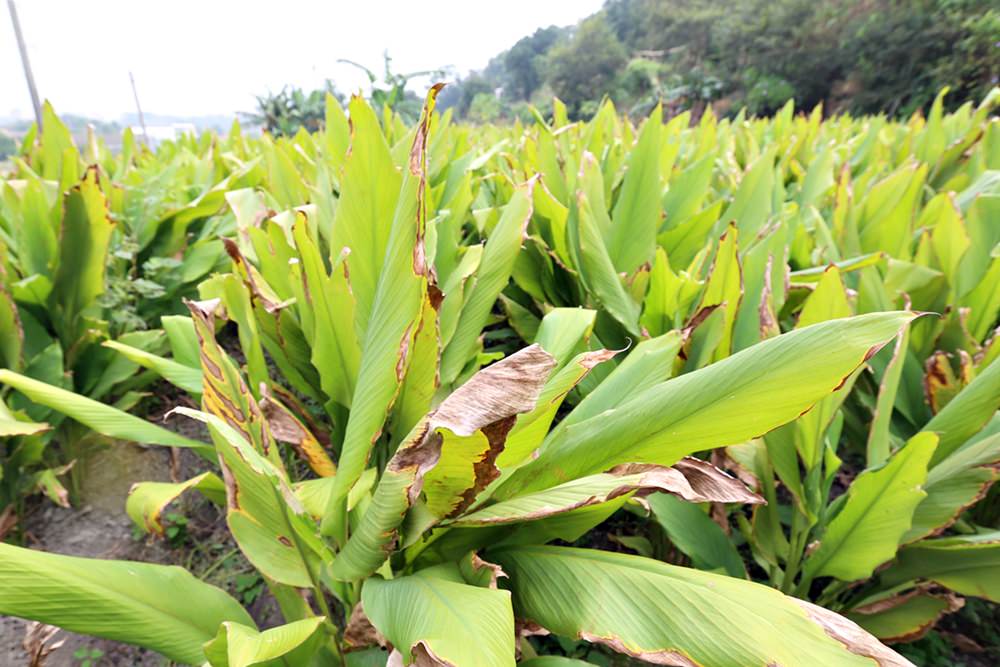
[142, 120]
[27, 65]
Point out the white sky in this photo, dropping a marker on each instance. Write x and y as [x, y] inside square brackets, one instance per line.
[198, 57]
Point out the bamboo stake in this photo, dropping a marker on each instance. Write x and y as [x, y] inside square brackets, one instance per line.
[22, 47]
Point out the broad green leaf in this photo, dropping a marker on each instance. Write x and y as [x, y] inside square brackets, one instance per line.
[11, 332]
[266, 519]
[597, 270]
[878, 434]
[433, 621]
[183, 340]
[966, 413]
[10, 425]
[724, 290]
[693, 532]
[905, 618]
[370, 190]
[687, 192]
[668, 297]
[83, 248]
[828, 301]
[422, 378]
[238, 645]
[751, 206]
[967, 564]
[738, 398]
[563, 331]
[878, 511]
[335, 350]
[179, 375]
[672, 615]
[159, 607]
[102, 418]
[397, 302]
[648, 365]
[637, 214]
[502, 247]
[955, 484]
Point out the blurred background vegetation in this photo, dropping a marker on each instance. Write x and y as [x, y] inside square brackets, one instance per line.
[863, 56]
[859, 56]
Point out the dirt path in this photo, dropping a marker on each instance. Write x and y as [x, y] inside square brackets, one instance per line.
[98, 528]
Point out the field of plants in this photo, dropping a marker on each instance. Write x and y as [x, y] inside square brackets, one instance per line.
[714, 392]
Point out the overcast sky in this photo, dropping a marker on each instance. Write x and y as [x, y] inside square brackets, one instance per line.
[199, 57]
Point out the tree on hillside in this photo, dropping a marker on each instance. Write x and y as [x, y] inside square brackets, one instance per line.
[585, 67]
[524, 63]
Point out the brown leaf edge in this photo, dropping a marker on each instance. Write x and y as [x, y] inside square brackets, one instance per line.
[852, 636]
[691, 479]
[952, 604]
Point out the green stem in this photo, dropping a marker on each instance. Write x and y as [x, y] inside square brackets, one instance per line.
[796, 546]
[316, 586]
[217, 564]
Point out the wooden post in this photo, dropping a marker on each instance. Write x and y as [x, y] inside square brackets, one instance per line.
[138, 108]
[25, 63]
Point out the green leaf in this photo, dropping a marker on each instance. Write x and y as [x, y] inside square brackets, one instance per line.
[596, 268]
[904, 618]
[179, 375]
[147, 500]
[693, 532]
[11, 333]
[967, 564]
[955, 484]
[686, 194]
[437, 622]
[672, 615]
[459, 442]
[966, 413]
[266, 519]
[370, 190]
[751, 206]
[10, 425]
[102, 418]
[160, 607]
[83, 248]
[637, 214]
[395, 313]
[502, 248]
[878, 435]
[724, 290]
[692, 479]
[238, 645]
[878, 511]
[738, 398]
[335, 350]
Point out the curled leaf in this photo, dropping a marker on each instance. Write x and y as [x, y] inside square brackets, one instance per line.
[147, 500]
[464, 435]
[691, 479]
[286, 427]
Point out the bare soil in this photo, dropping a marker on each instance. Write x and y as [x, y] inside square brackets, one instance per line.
[98, 527]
